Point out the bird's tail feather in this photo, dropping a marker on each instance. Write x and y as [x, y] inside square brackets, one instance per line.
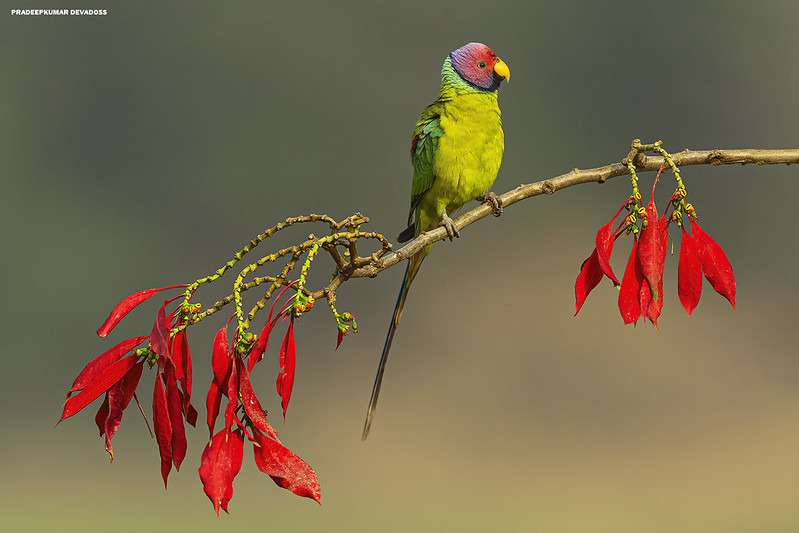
[410, 272]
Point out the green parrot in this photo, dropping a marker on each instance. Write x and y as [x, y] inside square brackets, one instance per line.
[456, 152]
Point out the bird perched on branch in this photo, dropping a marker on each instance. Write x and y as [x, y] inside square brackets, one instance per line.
[456, 152]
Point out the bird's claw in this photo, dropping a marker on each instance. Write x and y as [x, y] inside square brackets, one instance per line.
[494, 201]
[449, 225]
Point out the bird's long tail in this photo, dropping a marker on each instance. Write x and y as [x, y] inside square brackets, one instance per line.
[410, 272]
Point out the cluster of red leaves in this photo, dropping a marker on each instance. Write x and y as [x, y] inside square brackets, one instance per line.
[170, 403]
[116, 373]
[641, 287]
[222, 457]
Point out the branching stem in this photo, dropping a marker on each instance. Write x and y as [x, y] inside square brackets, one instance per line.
[347, 233]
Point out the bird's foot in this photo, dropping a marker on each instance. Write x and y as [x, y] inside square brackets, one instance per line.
[494, 201]
[449, 225]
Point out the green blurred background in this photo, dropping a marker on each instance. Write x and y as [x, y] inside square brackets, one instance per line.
[143, 148]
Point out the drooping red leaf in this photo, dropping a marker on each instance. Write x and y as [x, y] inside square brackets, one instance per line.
[212, 403]
[98, 385]
[221, 363]
[605, 238]
[181, 356]
[285, 379]
[259, 348]
[285, 468]
[715, 265]
[589, 277]
[118, 397]
[114, 398]
[221, 461]
[340, 338]
[252, 407]
[233, 391]
[644, 298]
[102, 415]
[655, 305]
[163, 428]
[101, 362]
[175, 409]
[131, 381]
[651, 249]
[191, 415]
[159, 338]
[176, 350]
[631, 282]
[187, 376]
[126, 305]
[689, 272]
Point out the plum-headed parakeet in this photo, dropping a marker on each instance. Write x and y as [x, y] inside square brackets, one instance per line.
[456, 151]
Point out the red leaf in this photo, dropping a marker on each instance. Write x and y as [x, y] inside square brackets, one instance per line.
[191, 415]
[101, 362]
[644, 298]
[177, 351]
[102, 414]
[285, 468]
[114, 398]
[252, 407]
[163, 428]
[159, 338]
[605, 238]
[259, 348]
[689, 272]
[118, 397]
[175, 409]
[629, 294]
[589, 277]
[181, 356]
[285, 379]
[651, 248]
[340, 338]
[233, 392]
[715, 265]
[131, 380]
[221, 461]
[126, 305]
[98, 385]
[212, 402]
[655, 306]
[221, 363]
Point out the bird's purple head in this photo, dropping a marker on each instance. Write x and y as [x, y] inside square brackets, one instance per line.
[479, 66]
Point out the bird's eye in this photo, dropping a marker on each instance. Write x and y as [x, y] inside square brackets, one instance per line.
[481, 65]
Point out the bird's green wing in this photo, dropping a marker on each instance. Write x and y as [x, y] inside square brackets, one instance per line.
[423, 149]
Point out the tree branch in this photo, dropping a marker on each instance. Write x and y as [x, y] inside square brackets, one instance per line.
[351, 264]
[643, 163]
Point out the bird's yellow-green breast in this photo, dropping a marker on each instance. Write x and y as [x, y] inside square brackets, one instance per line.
[468, 155]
